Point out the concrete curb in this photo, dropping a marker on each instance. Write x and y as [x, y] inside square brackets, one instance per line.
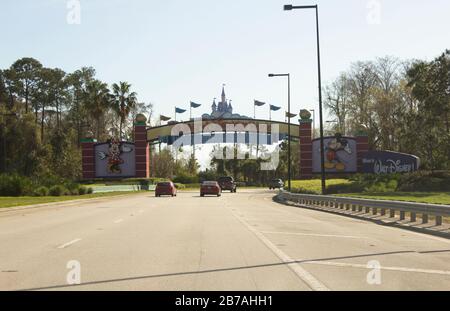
[60, 203]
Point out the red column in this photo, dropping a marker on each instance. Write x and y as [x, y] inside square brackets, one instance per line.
[88, 157]
[306, 171]
[362, 147]
[142, 150]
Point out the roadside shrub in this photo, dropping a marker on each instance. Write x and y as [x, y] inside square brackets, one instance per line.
[82, 190]
[72, 188]
[186, 179]
[15, 185]
[41, 192]
[58, 190]
[425, 181]
[90, 190]
[180, 186]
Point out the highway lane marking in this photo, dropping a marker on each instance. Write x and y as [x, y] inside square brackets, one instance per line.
[316, 235]
[401, 269]
[396, 229]
[69, 243]
[423, 235]
[118, 221]
[304, 275]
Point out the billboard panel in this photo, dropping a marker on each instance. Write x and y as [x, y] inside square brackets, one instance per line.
[340, 155]
[388, 162]
[115, 159]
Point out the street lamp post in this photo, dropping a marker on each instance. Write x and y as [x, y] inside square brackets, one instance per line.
[290, 7]
[271, 75]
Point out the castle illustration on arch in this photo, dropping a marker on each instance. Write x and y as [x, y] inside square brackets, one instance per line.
[223, 109]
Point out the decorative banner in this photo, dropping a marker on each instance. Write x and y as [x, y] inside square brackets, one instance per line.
[340, 155]
[290, 115]
[179, 110]
[194, 105]
[274, 108]
[164, 118]
[259, 104]
[388, 162]
[115, 159]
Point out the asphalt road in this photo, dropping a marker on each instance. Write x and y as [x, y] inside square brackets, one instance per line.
[240, 241]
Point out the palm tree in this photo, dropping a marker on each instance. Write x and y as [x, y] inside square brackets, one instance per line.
[97, 100]
[123, 102]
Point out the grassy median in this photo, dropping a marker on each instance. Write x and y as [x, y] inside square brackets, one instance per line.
[314, 187]
[23, 201]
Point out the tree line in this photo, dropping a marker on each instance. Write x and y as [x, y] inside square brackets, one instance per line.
[44, 113]
[403, 106]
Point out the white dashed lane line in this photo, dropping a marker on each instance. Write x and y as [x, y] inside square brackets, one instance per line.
[304, 275]
[118, 221]
[69, 244]
[360, 266]
[314, 235]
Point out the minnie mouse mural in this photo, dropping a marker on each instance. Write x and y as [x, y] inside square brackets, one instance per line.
[115, 150]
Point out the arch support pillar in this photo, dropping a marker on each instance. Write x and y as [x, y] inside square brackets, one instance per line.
[306, 150]
[142, 154]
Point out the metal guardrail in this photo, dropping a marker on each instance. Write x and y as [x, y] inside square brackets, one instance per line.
[372, 206]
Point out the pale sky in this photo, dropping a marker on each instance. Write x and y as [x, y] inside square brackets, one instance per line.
[175, 51]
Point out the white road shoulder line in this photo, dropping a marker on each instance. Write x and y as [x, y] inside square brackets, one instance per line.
[69, 243]
[316, 235]
[401, 269]
[304, 275]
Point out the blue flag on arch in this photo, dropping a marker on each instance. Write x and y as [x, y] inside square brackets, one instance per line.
[259, 104]
[179, 110]
[195, 105]
[274, 108]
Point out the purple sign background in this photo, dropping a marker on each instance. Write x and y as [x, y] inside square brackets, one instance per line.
[388, 162]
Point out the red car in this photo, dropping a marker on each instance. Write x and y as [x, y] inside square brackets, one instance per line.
[165, 188]
[210, 187]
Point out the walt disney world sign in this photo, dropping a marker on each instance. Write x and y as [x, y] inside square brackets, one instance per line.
[388, 162]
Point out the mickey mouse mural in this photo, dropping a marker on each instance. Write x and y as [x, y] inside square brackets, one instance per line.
[340, 155]
[334, 157]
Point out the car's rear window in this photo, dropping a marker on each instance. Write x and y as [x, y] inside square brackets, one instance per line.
[209, 183]
[164, 184]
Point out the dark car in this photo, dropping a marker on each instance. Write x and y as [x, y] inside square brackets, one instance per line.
[276, 184]
[211, 188]
[165, 188]
[227, 183]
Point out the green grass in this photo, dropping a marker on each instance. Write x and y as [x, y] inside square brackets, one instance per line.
[420, 197]
[314, 185]
[22, 201]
